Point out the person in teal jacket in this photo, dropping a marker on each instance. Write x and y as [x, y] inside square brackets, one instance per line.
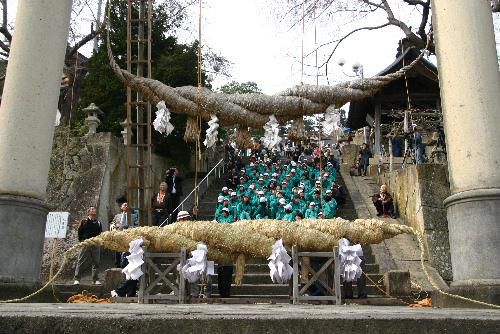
[226, 217]
[262, 212]
[279, 213]
[289, 214]
[312, 212]
[225, 204]
[245, 209]
[330, 208]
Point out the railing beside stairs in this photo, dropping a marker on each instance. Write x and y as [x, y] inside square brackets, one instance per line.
[216, 172]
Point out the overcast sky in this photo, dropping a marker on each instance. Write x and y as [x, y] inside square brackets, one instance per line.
[264, 50]
[268, 52]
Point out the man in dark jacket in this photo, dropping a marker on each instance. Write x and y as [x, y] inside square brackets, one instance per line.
[161, 203]
[89, 255]
[174, 183]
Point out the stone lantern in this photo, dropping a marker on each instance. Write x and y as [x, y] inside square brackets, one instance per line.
[92, 119]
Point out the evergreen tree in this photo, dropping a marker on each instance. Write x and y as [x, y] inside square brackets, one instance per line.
[173, 63]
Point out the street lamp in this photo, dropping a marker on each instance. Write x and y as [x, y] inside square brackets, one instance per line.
[357, 68]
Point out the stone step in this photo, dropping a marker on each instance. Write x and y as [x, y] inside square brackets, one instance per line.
[264, 278]
[284, 289]
[371, 268]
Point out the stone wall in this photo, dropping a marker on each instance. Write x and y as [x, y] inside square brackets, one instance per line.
[85, 171]
[419, 191]
[350, 154]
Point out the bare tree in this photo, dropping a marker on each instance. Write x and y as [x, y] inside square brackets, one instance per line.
[495, 6]
[332, 11]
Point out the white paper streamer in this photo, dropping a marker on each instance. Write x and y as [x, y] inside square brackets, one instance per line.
[406, 129]
[213, 125]
[271, 133]
[162, 121]
[350, 262]
[331, 122]
[281, 271]
[197, 264]
[135, 260]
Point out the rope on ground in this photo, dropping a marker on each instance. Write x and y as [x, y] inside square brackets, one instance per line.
[433, 283]
[67, 255]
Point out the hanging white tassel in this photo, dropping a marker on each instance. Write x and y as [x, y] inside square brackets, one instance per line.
[405, 123]
[271, 133]
[197, 264]
[281, 271]
[135, 260]
[331, 122]
[213, 125]
[162, 121]
[350, 261]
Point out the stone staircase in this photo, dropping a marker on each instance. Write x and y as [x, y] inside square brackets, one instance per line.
[257, 285]
[208, 201]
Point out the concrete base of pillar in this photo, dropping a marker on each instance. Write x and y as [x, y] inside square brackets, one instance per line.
[22, 225]
[489, 294]
[474, 238]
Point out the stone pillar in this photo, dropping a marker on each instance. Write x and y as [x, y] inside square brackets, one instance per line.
[470, 81]
[27, 116]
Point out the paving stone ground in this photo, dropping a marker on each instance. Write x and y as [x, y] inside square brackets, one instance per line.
[137, 318]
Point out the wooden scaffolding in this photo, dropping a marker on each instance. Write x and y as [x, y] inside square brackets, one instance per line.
[138, 122]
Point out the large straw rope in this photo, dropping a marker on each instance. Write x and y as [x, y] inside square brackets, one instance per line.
[250, 238]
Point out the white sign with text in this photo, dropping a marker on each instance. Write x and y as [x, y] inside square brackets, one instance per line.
[57, 225]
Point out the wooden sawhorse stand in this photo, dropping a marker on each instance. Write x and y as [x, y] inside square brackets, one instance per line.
[331, 266]
[161, 278]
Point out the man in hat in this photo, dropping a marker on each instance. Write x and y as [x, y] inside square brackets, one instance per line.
[234, 201]
[312, 212]
[279, 211]
[224, 192]
[262, 212]
[183, 216]
[226, 217]
[225, 204]
[289, 214]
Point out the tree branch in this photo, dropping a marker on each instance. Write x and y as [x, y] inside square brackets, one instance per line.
[4, 47]
[349, 34]
[495, 6]
[425, 19]
[416, 2]
[85, 40]
[4, 31]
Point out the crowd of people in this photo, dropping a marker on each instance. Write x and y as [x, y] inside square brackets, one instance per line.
[279, 185]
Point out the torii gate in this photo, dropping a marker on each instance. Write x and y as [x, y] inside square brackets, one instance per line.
[469, 79]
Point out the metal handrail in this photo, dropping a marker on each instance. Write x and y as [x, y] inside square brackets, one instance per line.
[181, 205]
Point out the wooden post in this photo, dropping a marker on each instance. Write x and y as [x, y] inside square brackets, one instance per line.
[378, 114]
[142, 283]
[295, 259]
[182, 280]
[338, 291]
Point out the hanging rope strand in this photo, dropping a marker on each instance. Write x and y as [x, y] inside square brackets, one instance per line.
[197, 152]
